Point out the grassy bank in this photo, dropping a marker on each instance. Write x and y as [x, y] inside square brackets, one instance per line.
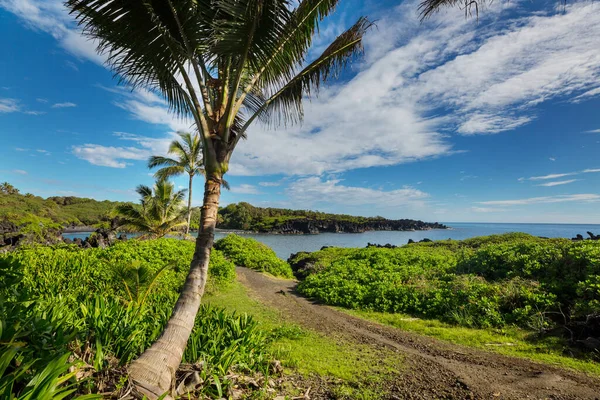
[352, 370]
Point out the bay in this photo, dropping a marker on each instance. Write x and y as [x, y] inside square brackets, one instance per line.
[284, 245]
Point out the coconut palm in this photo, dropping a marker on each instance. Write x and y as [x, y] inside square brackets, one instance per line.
[160, 210]
[188, 159]
[225, 63]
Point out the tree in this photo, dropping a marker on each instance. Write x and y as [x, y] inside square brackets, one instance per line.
[188, 153]
[7, 188]
[160, 210]
[225, 63]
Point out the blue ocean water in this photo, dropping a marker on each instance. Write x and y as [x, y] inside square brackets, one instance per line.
[284, 245]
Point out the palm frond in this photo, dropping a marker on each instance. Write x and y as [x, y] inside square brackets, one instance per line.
[159, 161]
[143, 42]
[429, 7]
[168, 172]
[294, 42]
[286, 104]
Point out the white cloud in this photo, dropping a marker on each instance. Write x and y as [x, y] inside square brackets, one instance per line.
[116, 157]
[19, 171]
[20, 149]
[109, 156]
[314, 190]
[8, 105]
[558, 183]
[593, 131]
[487, 209]
[34, 112]
[551, 158]
[269, 184]
[556, 176]
[545, 200]
[245, 189]
[72, 65]
[52, 17]
[41, 100]
[67, 104]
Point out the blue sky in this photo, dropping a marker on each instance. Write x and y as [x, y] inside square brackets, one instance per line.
[492, 120]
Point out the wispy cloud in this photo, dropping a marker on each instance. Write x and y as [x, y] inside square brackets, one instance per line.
[67, 104]
[556, 176]
[269, 184]
[19, 171]
[34, 112]
[41, 100]
[117, 156]
[558, 183]
[109, 156]
[487, 209]
[316, 190]
[593, 131]
[245, 189]
[8, 105]
[551, 158]
[72, 65]
[53, 18]
[544, 200]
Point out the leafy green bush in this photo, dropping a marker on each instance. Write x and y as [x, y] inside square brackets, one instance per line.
[104, 307]
[489, 281]
[253, 254]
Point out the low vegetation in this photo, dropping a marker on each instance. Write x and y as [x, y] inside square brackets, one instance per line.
[541, 285]
[62, 211]
[253, 254]
[72, 319]
[245, 216]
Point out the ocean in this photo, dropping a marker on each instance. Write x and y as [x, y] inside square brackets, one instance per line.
[284, 245]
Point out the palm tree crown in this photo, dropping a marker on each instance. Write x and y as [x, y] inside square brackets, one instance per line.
[159, 213]
[188, 159]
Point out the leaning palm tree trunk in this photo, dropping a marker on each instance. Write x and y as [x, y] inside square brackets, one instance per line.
[153, 373]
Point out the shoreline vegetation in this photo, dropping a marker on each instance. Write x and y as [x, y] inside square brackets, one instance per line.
[28, 219]
[92, 311]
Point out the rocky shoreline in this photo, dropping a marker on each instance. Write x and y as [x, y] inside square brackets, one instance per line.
[305, 226]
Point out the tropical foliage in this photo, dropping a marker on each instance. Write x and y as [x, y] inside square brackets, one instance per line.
[493, 281]
[250, 253]
[160, 210]
[188, 160]
[258, 219]
[62, 211]
[71, 317]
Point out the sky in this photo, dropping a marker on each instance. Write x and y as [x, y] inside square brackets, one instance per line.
[488, 119]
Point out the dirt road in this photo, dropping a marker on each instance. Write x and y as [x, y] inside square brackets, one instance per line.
[434, 369]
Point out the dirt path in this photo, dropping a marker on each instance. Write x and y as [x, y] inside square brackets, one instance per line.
[434, 369]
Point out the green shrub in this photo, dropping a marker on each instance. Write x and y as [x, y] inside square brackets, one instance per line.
[105, 307]
[490, 281]
[252, 254]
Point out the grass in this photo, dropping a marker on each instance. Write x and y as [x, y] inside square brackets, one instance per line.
[508, 341]
[356, 371]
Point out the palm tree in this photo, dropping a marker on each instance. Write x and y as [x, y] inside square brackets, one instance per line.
[225, 63]
[188, 159]
[159, 213]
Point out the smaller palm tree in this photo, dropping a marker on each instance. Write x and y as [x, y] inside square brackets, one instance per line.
[160, 210]
[188, 159]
